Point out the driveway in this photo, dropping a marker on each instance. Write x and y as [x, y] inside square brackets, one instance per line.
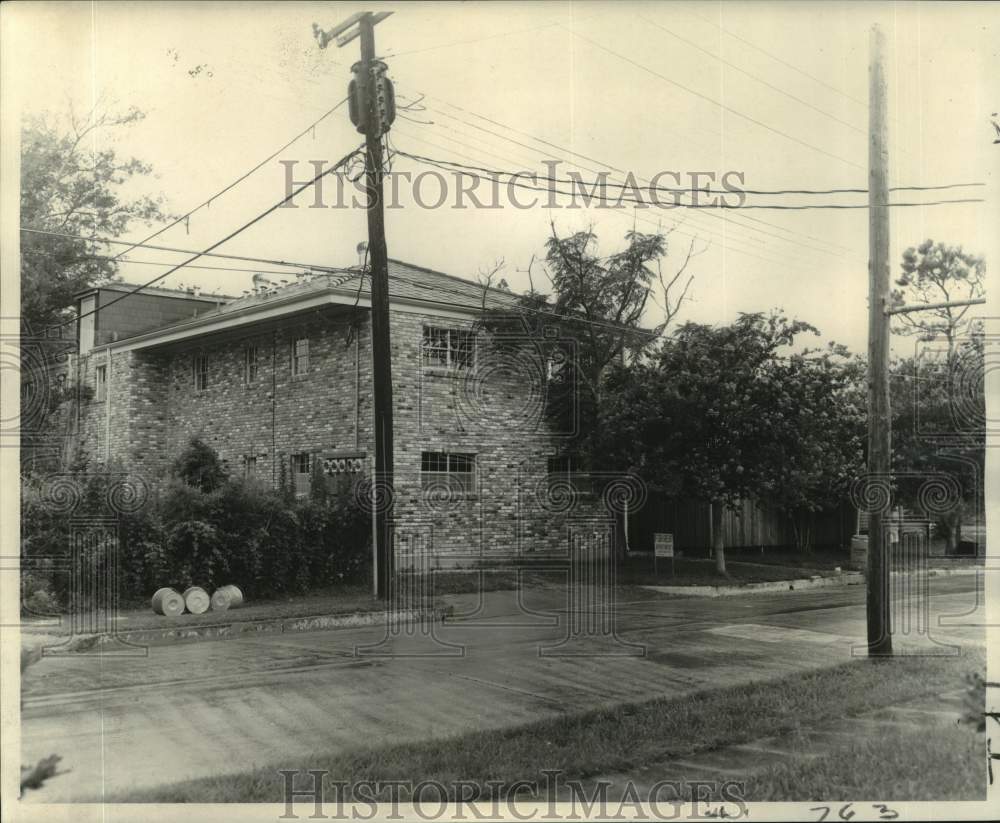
[218, 707]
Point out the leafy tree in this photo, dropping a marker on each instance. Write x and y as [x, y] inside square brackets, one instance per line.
[596, 306]
[73, 182]
[199, 466]
[938, 430]
[938, 273]
[816, 440]
[698, 421]
[938, 398]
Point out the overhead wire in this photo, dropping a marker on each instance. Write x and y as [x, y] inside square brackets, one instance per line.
[448, 165]
[713, 101]
[753, 76]
[778, 59]
[218, 243]
[621, 172]
[242, 177]
[174, 249]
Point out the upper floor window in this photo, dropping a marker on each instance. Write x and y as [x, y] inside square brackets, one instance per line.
[87, 323]
[456, 471]
[200, 369]
[101, 383]
[448, 348]
[300, 356]
[250, 362]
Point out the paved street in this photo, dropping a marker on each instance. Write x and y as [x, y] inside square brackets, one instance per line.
[224, 706]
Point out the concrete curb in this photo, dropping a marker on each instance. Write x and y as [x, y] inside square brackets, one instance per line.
[850, 578]
[845, 579]
[219, 631]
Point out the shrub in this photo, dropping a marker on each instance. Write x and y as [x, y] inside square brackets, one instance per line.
[208, 535]
[199, 466]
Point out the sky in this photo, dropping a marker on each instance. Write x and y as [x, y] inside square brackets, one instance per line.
[775, 91]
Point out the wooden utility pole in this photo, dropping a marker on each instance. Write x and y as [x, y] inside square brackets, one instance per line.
[381, 353]
[879, 432]
[374, 126]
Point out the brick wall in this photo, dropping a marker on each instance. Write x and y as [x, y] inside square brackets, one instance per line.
[491, 409]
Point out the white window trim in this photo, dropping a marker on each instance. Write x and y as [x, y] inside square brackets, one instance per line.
[101, 386]
[294, 363]
[468, 487]
[247, 380]
[194, 372]
[448, 365]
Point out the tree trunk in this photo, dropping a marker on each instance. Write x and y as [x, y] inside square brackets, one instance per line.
[718, 543]
[952, 528]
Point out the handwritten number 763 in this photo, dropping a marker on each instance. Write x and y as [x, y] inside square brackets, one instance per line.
[846, 812]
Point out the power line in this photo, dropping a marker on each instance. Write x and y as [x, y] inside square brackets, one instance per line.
[241, 178]
[728, 239]
[752, 76]
[346, 158]
[724, 218]
[783, 62]
[132, 261]
[710, 190]
[715, 102]
[461, 168]
[108, 240]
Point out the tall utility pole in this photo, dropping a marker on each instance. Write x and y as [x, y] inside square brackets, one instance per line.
[367, 77]
[879, 433]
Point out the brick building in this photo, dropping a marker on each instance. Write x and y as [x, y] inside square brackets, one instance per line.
[281, 377]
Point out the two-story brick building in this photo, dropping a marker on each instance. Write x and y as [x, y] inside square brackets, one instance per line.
[281, 377]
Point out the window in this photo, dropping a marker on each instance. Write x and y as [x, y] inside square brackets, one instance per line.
[250, 465]
[300, 356]
[200, 367]
[87, 324]
[250, 361]
[101, 387]
[454, 470]
[448, 348]
[301, 467]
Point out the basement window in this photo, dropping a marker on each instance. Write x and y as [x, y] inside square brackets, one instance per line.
[101, 383]
[453, 470]
[448, 348]
[200, 369]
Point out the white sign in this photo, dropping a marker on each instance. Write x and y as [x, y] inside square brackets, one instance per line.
[663, 544]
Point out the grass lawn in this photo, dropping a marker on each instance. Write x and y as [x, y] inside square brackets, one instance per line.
[898, 765]
[687, 571]
[631, 736]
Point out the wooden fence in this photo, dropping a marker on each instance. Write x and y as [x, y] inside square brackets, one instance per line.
[751, 525]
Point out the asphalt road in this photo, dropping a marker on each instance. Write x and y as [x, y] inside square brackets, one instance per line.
[218, 707]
